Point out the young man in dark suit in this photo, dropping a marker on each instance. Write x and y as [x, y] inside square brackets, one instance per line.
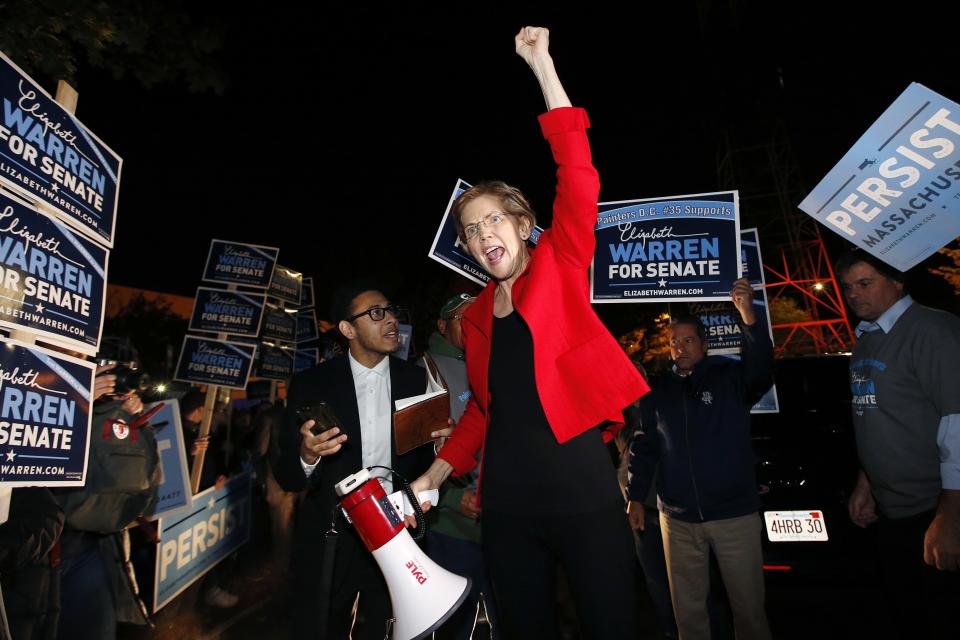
[360, 387]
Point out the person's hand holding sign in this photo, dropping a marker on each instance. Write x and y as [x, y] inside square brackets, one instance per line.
[742, 295]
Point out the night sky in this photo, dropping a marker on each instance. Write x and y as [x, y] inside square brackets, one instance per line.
[344, 130]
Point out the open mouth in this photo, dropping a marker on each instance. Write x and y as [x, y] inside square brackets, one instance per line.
[391, 335]
[493, 255]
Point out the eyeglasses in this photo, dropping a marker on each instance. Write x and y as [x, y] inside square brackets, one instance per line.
[472, 230]
[379, 313]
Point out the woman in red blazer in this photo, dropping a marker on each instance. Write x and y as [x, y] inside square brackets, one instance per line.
[546, 376]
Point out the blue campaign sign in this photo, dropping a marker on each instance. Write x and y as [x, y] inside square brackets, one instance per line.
[448, 251]
[174, 492]
[52, 281]
[275, 361]
[250, 265]
[47, 154]
[44, 416]
[286, 285]
[279, 324]
[205, 361]
[751, 258]
[667, 249]
[306, 359]
[219, 311]
[306, 294]
[193, 540]
[307, 329]
[895, 192]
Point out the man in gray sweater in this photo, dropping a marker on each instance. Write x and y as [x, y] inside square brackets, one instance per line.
[906, 416]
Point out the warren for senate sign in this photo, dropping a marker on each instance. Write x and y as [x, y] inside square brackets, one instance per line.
[52, 281]
[250, 265]
[896, 193]
[225, 364]
[47, 154]
[286, 285]
[219, 311]
[174, 491]
[45, 402]
[667, 249]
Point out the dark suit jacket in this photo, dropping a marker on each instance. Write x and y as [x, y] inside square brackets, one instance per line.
[332, 382]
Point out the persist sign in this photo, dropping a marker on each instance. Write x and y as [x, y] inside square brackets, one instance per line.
[896, 193]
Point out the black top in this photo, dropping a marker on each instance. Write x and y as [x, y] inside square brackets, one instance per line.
[525, 469]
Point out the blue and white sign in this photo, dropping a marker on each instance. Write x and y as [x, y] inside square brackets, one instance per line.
[306, 294]
[174, 492]
[448, 250]
[48, 155]
[279, 324]
[219, 311]
[195, 539]
[306, 359]
[250, 265]
[286, 285]
[275, 361]
[752, 261]
[722, 320]
[895, 193]
[667, 249]
[307, 329]
[205, 361]
[52, 281]
[45, 401]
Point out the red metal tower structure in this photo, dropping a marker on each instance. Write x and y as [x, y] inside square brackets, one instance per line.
[805, 299]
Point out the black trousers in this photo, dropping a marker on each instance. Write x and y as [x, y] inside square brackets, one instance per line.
[924, 601]
[595, 551]
[355, 571]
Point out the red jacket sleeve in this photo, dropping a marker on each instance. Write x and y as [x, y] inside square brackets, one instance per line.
[578, 185]
[461, 448]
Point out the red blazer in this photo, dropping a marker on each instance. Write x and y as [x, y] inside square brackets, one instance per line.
[583, 376]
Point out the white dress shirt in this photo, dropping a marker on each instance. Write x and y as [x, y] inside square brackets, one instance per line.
[376, 414]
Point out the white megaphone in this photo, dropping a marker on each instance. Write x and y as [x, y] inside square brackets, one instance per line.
[423, 594]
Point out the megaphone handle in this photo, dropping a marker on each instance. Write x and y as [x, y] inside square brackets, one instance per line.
[417, 511]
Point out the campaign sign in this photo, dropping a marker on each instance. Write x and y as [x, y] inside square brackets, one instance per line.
[47, 154]
[44, 416]
[667, 249]
[286, 285]
[220, 311]
[275, 362]
[448, 250]
[896, 192]
[195, 539]
[306, 294]
[249, 265]
[307, 326]
[174, 492]
[306, 359]
[52, 281]
[752, 261]
[279, 324]
[405, 335]
[205, 361]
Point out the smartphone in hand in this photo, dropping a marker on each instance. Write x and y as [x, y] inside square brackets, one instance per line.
[321, 414]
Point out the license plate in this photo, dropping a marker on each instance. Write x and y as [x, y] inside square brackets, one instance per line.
[795, 526]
